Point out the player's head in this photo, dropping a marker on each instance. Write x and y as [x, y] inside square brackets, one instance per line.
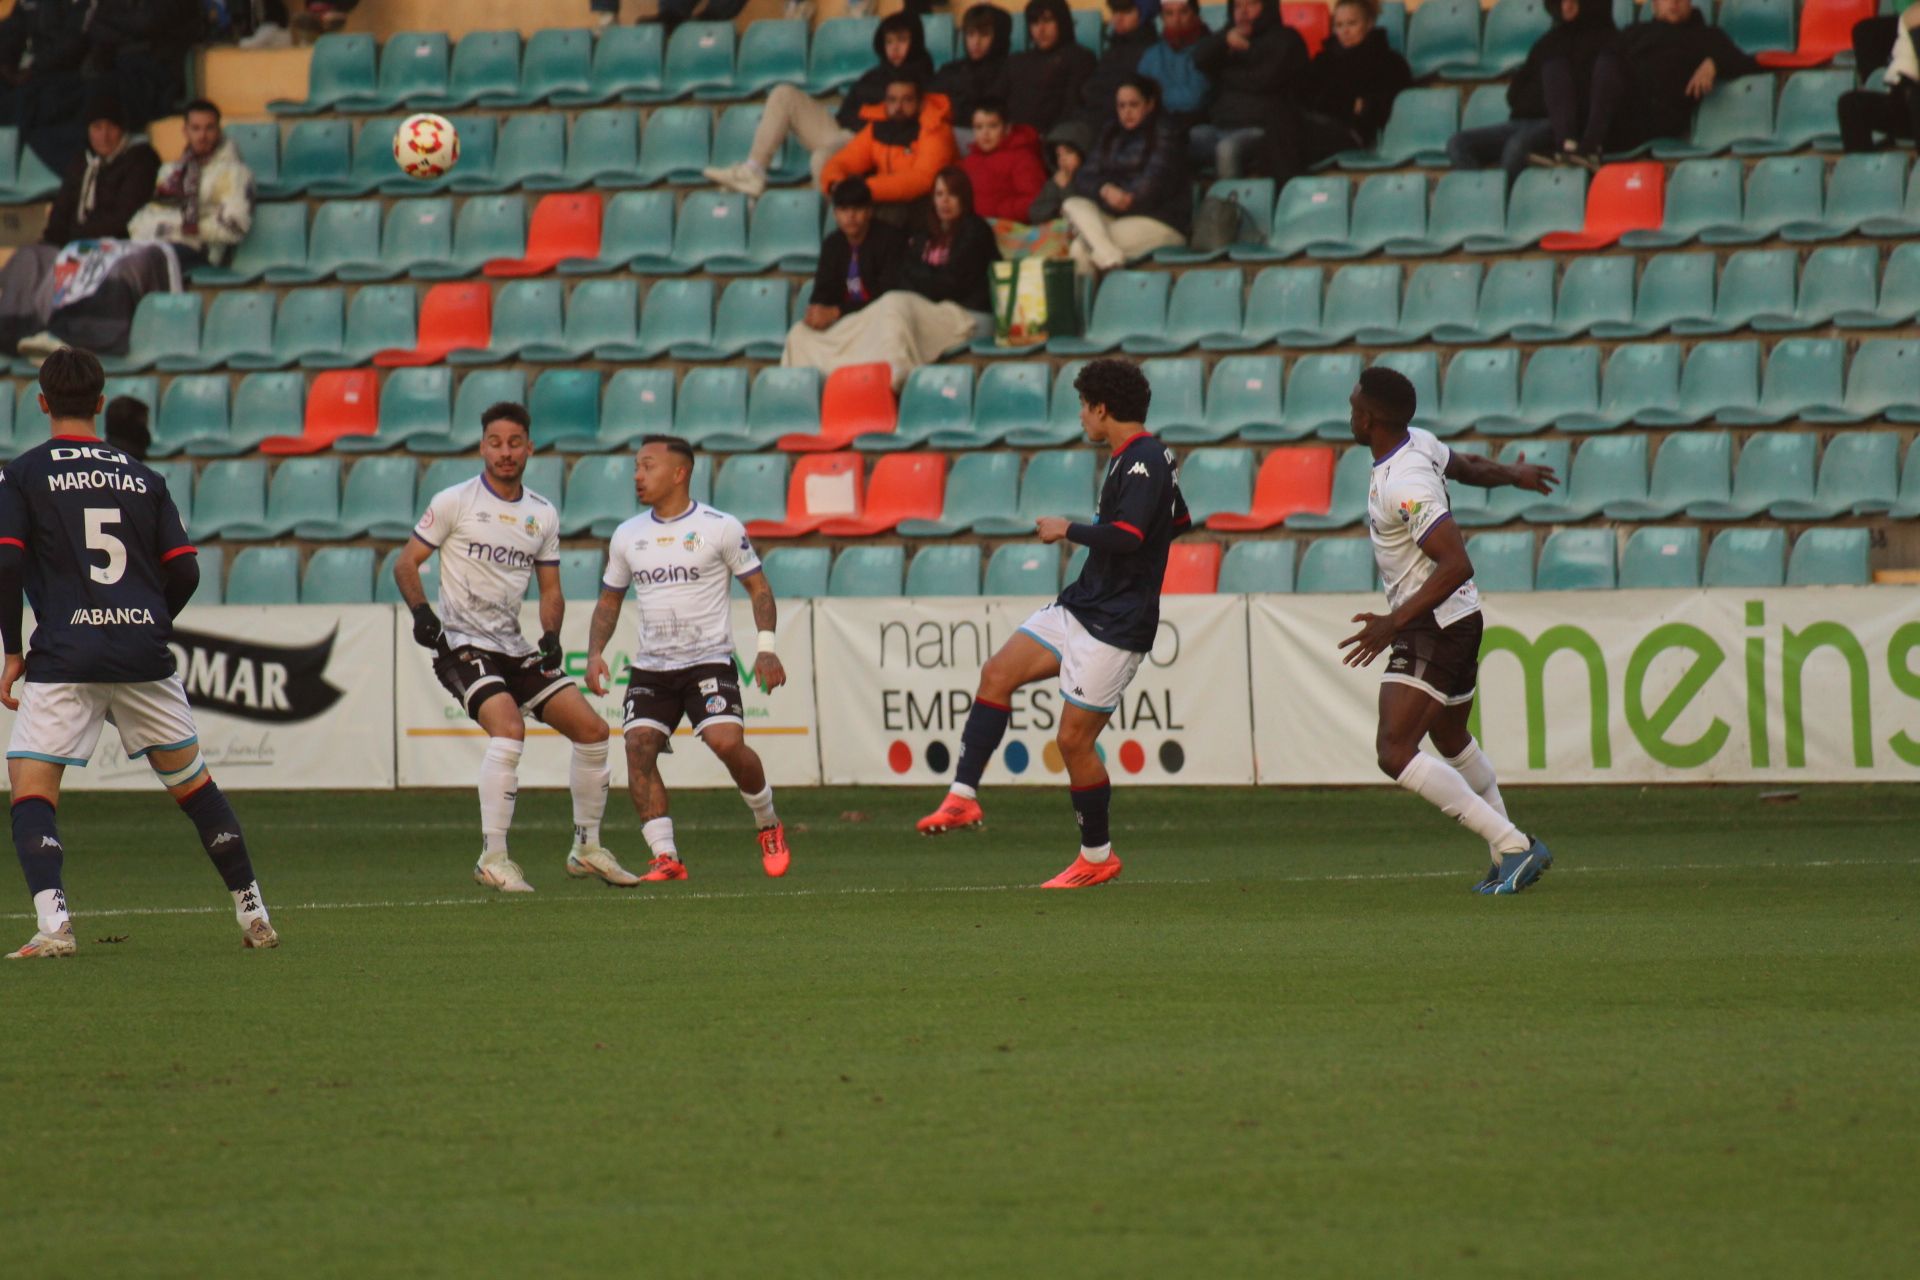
[1383, 403]
[70, 386]
[127, 427]
[662, 470]
[1114, 396]
[506, 441]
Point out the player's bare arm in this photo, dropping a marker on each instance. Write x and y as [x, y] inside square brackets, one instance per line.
[767, 671]
[553, 611]
[1485, 473]
[1452, 567]
[406, 576]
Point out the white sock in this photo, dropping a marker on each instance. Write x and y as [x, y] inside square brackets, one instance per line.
[1478, 771]
[659, 837]
[50, 906]
[248, 905]
[1440, 785]
[1101, 854]
[962, 790]
[762, 806]
[499, 788]
[588, 779]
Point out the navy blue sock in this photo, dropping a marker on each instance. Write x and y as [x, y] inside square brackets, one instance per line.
[37, 842]
[220, 834]
[1090, 811]
[986, 725]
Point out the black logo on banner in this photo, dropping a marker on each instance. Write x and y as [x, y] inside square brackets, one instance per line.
[251, 681]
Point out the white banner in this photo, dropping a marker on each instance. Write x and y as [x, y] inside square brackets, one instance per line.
[897, 679]
[439, 746]
[290, 697]
[1796, 685]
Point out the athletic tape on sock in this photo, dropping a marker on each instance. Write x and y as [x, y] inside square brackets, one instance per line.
[185, 773]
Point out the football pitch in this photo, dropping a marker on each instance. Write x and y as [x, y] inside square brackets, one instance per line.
[1286, 1042]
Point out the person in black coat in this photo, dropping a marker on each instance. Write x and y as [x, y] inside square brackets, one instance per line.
[1347, 97]
[1258, 66]
[1044, 80]
[980, 73]
[1565, 55]
[1650, 80]
[899, 44]
[951, 258]
[1129, 35]
[101, 191]
[1892, 106]
[859, 260]
[1132, 195]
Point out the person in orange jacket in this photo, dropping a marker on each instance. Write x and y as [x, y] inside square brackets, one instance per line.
[907, 141]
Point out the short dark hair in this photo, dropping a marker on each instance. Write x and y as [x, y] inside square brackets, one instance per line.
[127, 426]
[1146, 86]
[852, 193]
[72, 380]
[200, 104]
[507, 411]
[673, 444]
[1389, 393]
[992, 106]
[1118, 386]
[978, 18]
[906, 75]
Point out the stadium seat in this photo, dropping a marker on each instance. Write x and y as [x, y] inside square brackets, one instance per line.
[1906, 504]
[1718, 377]
[1422, 369]
[454, 317]
[312, 151]
[278, 234]
[192, 409]
[1736, 111]
[264, 576]
[378, 502]
[1904, 224]
[1254, 196]
[580, 573]
[386, 591]
[529, 312]
[1542, 201]
[603, 151]
[783, 232]
[936, 398]
[1512, 27]
[1318, 394]
[1296, 478]
[904, 486]
[564, 226]
[1308, 212]
[1772, 468]
[1257, 567]
[1858, 476]
[1283, 300]
[733, 139]
[1178, 399]
[1593, 290]
[1757, 25]
[1204, 304]
[634, 402]
[1621, 198]
[867, 571]
[1479, 384]
[1747, 558]
[1422, 121]
[417, 234]
[1674, 288]
[1486, 106]
[239, 324]
[264, 405]
[1242, 393]
[1057, 483]
[1023, 569]
[856, 400]
[1833, 279]
[675, 312]
[164, 324]
[674, 148]
[302, 491]
[600, 313]
[1609, 470]
[1467, 205]
[1699, 194]
[1664, 557]
[344, 232]
[781, 402]
[24, 176]
[479, 156]
[1883, 381]
[1862, 187]
[372, 162]
[699, 60]
[599, 494]
[634, 224]
[1336, 565]
[1352, 476]
[1062, 423]
[1808, 115]
[1830, 558]
[342, 67]
[1556, 383]
[944, 571]
[626, 65]
[1576, 560]
[751, 320]
[1782, 191]
[1359, 298]
[1009, 397]
[1193, 569]
[1516, 291]
[1439, 294]
[797, 573]
[335, 575]
[556, 60]
[23, 422]
[1805, 376]
[712, 225]
[565, 408]
[1504, 505]
[842, 51]
[752, 487]
[772, 51]
[1310, 20]
[1443, 38]
[1214, 480]
[484, 63]
[979, 486]
[1129, 304]
[488, 228]
[531, 144]
[1639, 376]
[341, 402]
[710, 402]
[1755, 282]
[1826, 30]
[1502, 562]
[378, 318]
[1389, 207]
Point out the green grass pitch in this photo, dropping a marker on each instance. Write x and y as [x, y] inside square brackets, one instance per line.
[1287, 1042]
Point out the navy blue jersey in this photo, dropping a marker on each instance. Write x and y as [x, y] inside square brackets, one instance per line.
[1117, 595]
[96, 527]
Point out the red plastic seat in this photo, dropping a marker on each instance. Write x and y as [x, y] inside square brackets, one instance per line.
[452, 316]
[1826, 28]
[1193, 569]
[1621, 198]
[1314, 22]
[904, 486]
[1292, 481]
[341, 402]
[564, 225]
[823, 487]
[857, 400]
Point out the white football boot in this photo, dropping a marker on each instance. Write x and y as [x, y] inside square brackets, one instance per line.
[47, 946]
[258, 935]
[588, 861]
[503, 874]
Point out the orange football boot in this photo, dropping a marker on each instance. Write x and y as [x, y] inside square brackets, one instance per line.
[1084, 875]
[774, 854]
[666, 867]
[956, 813]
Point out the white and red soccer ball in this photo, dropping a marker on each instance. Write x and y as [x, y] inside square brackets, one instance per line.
[426, 146]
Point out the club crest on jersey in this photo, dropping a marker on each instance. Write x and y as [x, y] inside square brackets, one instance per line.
[692, 541]
[533, 527]
[1409, 509]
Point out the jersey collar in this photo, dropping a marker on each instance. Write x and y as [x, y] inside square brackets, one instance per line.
[1128, 443]
[1397, 448]
[691, 508]
[79, 439]
[488, 486]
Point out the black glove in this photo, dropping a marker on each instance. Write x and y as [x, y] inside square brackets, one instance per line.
[426, 626]
[551, 657]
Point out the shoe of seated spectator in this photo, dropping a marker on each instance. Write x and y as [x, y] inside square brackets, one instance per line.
[39, 345]
[746, 180]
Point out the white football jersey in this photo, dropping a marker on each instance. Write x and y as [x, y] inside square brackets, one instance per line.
[488, 547]
[1405, 500]
[680, 571]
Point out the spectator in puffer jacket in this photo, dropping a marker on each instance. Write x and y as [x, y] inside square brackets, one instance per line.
[1003, 164]
[1582, 31]
[1129, 36]
[1184, 86]
[906, 143]
[1132, 195]
[1257, 66]
[203, 202]
[1044, 81]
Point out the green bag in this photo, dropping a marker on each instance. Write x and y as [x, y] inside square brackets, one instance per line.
[1035, 299]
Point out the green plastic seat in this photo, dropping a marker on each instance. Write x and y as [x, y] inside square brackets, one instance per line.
[1747, 558]
[1351, 477]
[1805, 377]
[1467, 205]
[980, 486]
[532, 144]
[674, 148]
[599, 494]
[600, 313]
[1898, 298]
[193, 408]
[936, 398]
[378, 502]
[418, 234]
[164, 324]
[1062, 422]
[784, 231]
[1691, 467]
[626, 64]
[1308, 211]
[1576, 560]
[1512, 27]
[525, 312]
[1782, 191]
[1359, 298]
[1388, 207]
[1023, 569]
[1203, 304]
[1595, 288]
[1421, 123]
[344, 231]
[1479, 384]
[565, 407]
[752, 487]
[1254, 196]
[1830, 558]
[387, 591]
[1905, 223]
[797, 573]
[1662, 557]
[415, 405]
[1282, 300]
[1758, 26]
[1700, 194]
[1612, 469]
[1178, 399]
[1129, 304]
[178, 477]
[1009, 397]
[379, 317]
[23, 178]
[1755, 282]
[342, 67]
[635, 402]
[635, 223]
[278, 236]
[258, 145]
[239, 322]
[1057, 483]
[1542, 201]
[1736, 111]
[1835, 278]
[1907, 504]
[699, 59]
[1772, 468]
[484, 63]
[264, 404]
[264, 575]
[733, 140]
[312, 151]
[1858, 476]
[867, 571]
[1675, 288]
[1504, 505]
[1422, 369]
[479, 151]
[229, 494]
[1639, 376]
[1502, 562]
[842, 52]
[336, 575]
[372, 161]
[1516, 291]
[713, 224]
[675, 312]
[30, 426]
[603, 151]
[487, 227]
[1257, 567]
[1214, 480]
[1487, 104]
[1443, 37]
[944, 571]
[1558, 382]
[303, 491]
[750, 320]
[471, 396]
[1439, 294]
[781, 402]
[580, 573]
[1242, 393]
[1317, 395]
[1807, 115]
[1718, 377]
[556, 60]
[712, 402]
[772, 51]
[1336, 565]
[1883, 382]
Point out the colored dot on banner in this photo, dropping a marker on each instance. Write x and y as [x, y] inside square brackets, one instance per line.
[1051, 757]
[1132, 758]
[1172, 757]
[937, 757]
[1016, 757]
[900, 757]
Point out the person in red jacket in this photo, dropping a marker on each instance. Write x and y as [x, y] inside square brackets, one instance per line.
[906, 143]
[1003, 163]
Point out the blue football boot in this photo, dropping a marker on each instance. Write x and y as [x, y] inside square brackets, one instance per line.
[1516, 871]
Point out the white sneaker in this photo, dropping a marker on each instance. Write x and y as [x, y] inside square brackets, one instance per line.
[41, 344]
[258, 935]
[47, 946]
[504, 875]
[591, 860]
[738, 177]
[270, 35]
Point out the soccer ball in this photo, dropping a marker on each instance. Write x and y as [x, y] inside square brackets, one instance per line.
[426, 146]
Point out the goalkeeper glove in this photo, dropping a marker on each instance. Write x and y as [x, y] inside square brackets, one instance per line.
[426, 627]
[550, 654]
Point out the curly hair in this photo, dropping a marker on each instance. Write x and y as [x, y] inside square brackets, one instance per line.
[1118, 385]
[1389, 393]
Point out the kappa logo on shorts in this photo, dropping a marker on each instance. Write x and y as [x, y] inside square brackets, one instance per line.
[716, 704]
[710, 685]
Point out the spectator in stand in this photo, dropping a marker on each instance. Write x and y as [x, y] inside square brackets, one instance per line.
[1003, 165]
[1648, 83]
[1257, 67]
[102, 190]
[1894, 111]
[1348, 94]
[1564, 56]
[907, 142]
[1067, 146]
[203, 202]
[1171, 62]
[1132, 195]
[671, 13]
[41, 44]
[127, 429]
[940, 300]
[1045, 79]
[980, 73]
[899, 48]
[859, 259]
[1129, 36]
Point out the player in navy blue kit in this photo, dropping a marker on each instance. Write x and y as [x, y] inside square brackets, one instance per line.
[1094, 636]
[96, 541]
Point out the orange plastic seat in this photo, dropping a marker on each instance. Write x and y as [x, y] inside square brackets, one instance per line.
[452, 317]
[856, 400]
[1193, 569]
[341, 402]
[1314, 22]
[1826, 28]
[1621, 198]
[904, 486]
[823, 487]
[564, 225]
[1292, 481]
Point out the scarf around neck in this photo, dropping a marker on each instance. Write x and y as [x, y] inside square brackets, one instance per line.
[90, 180]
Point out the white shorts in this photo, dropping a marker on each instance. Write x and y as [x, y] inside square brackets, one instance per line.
[1093, 673]
[61, 722]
